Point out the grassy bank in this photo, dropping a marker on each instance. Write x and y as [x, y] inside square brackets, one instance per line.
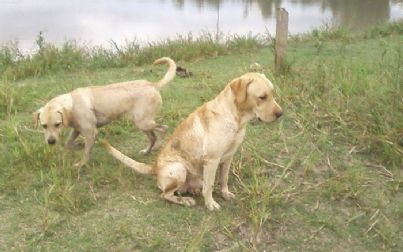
[328, 176]
[48, 58]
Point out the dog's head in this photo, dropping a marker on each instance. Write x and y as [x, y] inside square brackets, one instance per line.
[254, 97]
[51, 119]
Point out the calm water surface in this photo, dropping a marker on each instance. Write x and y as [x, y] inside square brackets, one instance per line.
[97, 22]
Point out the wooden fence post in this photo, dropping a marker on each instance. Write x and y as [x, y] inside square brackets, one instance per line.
[281, 38]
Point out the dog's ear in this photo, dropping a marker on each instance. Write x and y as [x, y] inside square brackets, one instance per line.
[66, 116]
[35, 117]
[239, 88]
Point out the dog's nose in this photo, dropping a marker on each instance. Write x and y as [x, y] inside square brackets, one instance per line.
[279, 114]
[51, 141]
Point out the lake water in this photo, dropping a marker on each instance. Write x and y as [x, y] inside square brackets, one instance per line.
[97, 22]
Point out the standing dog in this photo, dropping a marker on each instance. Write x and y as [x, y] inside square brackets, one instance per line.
[88, 108]
[207, 140]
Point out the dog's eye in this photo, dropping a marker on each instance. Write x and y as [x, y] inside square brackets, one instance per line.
[263, 97]
[57, 125]
[44, 126]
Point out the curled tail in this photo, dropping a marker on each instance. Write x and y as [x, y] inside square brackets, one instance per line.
[170, 74]
[133, 164]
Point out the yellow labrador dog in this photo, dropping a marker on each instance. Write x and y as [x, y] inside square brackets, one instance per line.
[207, 140]
[88, 108]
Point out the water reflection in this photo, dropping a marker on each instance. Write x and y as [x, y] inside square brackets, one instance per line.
[99, 21]
[359, 14]
[266, 7]
[351, 13]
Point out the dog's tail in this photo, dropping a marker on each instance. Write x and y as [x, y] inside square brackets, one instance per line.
[133, 164]
[170, 74]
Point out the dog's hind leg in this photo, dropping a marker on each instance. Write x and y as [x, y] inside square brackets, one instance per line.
[153, 132]
[152, 138]
[170, 179]
[160, 132]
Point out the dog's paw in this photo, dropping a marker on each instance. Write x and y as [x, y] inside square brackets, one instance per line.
[228, 195]
[188, 201]
[79, 164]
[144, 151]
[212, 205]
[163, 129]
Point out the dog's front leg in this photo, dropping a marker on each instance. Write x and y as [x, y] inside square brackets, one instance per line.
[88, 143]
[209, 173]
[70, 144]
[225, 167]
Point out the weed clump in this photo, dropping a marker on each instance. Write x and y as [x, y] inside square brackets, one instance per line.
[71, 56]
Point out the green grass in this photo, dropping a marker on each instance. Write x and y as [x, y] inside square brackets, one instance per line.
[327, 176]
[72, 57]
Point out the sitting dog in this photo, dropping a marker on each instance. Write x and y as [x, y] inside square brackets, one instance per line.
[88, 108]
[207, 140]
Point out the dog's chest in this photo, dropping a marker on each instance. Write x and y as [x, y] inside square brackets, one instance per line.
[234, 144]
[231, 135]
[220, 137]
[102, 118]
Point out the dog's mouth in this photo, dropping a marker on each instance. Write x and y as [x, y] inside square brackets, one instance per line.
[255, 120]
[268, 120]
